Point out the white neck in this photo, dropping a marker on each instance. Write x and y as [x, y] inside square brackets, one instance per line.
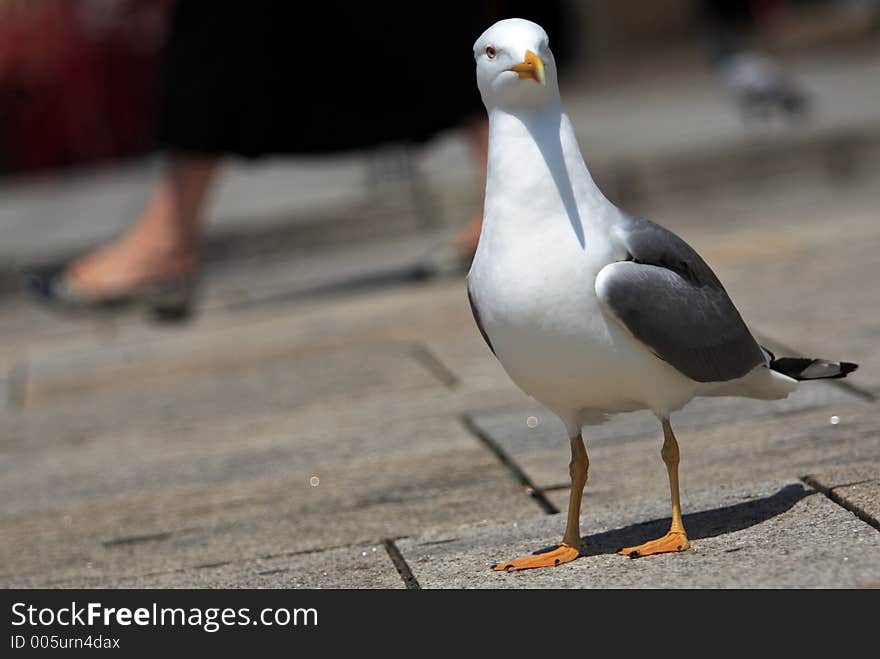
[537, 180]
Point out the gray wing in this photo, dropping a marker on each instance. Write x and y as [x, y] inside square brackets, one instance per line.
[669, 299]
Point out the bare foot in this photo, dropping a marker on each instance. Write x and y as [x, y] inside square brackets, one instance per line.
[163, 245]
[129, 263]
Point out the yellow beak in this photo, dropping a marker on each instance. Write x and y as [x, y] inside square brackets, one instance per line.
[531, 67]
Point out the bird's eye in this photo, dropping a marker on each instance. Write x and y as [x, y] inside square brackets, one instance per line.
[490, 52]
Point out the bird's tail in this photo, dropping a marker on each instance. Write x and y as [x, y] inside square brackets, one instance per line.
[806, 368]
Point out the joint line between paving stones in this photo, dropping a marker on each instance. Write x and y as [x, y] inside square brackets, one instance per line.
[137, 539]
[530, 488]
[781, 348]
[409, 579]
[840, 501]
[423, 355]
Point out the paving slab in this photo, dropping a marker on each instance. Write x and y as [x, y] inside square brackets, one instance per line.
[132, 459]
[471, 361]
[284, 370]
[856, 487]
[279, 319]
[776, 535]
[273, 384]
[25, 326]
[102, 540]
[359, 566]
[125, 345]
[75, 424]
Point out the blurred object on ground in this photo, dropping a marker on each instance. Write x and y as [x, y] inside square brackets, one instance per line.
[757, 82]
[611, 36]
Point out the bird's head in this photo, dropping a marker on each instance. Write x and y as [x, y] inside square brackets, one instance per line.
[515, 68]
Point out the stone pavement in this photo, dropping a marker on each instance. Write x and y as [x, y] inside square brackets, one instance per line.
[330, 419]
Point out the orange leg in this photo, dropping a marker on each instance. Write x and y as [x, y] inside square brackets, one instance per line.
[570, 547]
[676, 539]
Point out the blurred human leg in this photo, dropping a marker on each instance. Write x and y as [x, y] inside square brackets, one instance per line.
[163, 245]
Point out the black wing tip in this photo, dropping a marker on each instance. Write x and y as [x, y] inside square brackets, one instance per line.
[795, 367]
[846, 368]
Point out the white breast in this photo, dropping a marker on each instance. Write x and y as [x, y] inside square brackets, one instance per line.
[533, 279]
[543, 318]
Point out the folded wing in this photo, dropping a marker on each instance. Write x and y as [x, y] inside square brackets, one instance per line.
[671, 301]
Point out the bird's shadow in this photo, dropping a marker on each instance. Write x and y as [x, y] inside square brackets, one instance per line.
[704, 524]
[547, 136]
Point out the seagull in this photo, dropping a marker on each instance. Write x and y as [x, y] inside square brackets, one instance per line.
[590, 310]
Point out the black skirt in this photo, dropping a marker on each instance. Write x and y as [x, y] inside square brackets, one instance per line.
[255, 77]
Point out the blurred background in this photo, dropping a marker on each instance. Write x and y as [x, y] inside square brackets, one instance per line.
[322, 178]
[79, 82]
[79, 78]
[88, 106]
